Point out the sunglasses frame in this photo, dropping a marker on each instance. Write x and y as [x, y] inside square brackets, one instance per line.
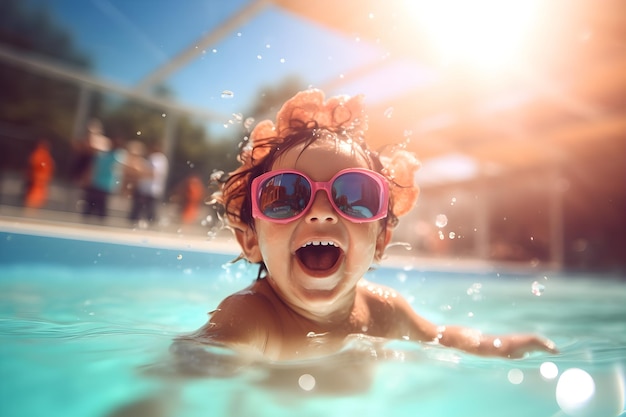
[327, 187]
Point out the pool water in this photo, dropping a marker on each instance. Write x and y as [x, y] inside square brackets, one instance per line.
[86, 329]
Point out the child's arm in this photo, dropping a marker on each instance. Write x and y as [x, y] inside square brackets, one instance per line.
[470, 340]
[509, 346]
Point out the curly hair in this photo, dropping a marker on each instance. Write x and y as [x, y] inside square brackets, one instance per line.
[303, 120]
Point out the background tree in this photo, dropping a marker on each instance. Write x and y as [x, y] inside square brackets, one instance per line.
[32, 105]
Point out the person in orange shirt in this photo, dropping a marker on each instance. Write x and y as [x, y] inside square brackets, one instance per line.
[193, 193]
[39, 174]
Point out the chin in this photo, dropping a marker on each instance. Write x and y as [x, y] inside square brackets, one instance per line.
[322, 293]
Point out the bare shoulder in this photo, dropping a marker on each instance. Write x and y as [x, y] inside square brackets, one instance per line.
[388, 304]
[378, 295]
[245, 318]
[244, 306]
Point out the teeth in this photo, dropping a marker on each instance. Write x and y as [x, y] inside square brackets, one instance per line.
[320, 242]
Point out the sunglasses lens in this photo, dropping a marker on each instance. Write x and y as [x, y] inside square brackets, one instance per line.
[284, 196]
[357, 195]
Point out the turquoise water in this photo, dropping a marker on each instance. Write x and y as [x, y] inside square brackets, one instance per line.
[86, 329]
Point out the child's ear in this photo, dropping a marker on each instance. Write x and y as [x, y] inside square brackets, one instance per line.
[249, 244]
[383, 239]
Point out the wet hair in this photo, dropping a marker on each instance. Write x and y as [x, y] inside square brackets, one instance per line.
[302, 121]
[238, 204]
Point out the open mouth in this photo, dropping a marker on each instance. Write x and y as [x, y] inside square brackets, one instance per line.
[319, 257]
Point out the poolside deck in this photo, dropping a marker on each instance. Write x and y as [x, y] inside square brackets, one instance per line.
[114, 230]
[194, 237]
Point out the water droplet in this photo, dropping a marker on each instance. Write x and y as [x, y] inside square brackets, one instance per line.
[216, 175]
[451, 235]
[515, 376]
[306, 382]
[227, 94]
[573, 390]
[474, 289]
[441, 220]
[537, 288]
[248, 122]
[179, 257]
[548, 370]
[163, 115]
[440, 331]
[497, 343]
[139, 133]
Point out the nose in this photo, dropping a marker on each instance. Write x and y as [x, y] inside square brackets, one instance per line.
[321, 210]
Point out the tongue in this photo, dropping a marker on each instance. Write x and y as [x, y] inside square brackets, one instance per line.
[318, 258]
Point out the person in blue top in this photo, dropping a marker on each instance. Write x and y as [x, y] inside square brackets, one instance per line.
[104, 179]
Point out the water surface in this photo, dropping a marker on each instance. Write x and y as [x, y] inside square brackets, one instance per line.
[86, 329]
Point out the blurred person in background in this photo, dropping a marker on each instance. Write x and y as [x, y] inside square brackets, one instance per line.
[104, 179]
[135, 167]
[189, 195]
[86, 149]
[39, 173]
[150, 187]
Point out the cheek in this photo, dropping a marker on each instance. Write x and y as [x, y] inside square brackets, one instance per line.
[365, 239]
[272, 240]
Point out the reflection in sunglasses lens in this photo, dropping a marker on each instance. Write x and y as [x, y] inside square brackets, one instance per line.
[284, 196]
[357, 195]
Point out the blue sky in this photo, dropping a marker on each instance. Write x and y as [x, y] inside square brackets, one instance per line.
[128, 39]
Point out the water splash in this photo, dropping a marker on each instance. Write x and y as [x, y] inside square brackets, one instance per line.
[537, 288]
[441, 220]
[248, 122]
[404, 245]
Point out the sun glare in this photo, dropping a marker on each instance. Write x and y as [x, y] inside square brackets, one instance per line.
[486, 34]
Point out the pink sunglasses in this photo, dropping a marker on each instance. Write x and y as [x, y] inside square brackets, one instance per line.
[357, 194]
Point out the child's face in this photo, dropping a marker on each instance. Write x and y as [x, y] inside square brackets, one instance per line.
[318, 280]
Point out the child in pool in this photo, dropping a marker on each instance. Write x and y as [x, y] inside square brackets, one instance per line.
[314, 207]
